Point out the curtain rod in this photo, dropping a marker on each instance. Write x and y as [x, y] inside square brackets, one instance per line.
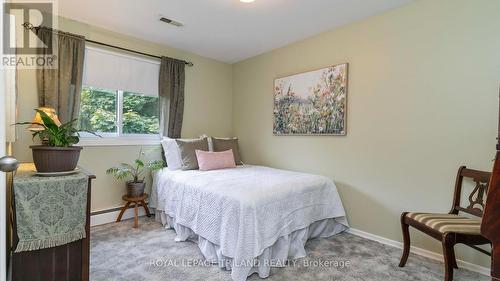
[32, 27]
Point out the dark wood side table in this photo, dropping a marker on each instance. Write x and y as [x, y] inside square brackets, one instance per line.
[67, 262]
[137, 201]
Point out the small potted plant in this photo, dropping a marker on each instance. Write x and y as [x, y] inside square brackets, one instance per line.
[136, 172]
[58, 152]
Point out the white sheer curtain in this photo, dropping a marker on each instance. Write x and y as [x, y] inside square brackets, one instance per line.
[10, 89]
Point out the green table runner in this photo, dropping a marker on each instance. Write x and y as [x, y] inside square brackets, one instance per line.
[50, 211]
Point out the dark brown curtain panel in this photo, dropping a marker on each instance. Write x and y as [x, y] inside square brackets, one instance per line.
[171, 92]
[60, 87]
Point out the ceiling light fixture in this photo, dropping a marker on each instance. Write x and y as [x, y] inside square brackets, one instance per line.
[247, 1]
[172, 22]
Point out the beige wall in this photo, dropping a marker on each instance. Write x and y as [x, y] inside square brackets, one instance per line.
[423, 100]
[207, 109]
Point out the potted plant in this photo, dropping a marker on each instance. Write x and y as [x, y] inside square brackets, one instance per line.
[136, 173]
[58, 152]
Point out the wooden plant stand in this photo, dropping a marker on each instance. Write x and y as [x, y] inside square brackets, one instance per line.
[137, 201]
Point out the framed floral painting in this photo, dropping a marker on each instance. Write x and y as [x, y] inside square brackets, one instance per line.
[311, 103]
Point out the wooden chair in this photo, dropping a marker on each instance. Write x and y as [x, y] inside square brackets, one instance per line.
[452, 228]
[490, 225]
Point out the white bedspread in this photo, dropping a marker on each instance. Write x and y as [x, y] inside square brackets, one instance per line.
[245, 209]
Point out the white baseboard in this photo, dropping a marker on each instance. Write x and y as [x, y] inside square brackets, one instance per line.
[109, 217]
[419, 251]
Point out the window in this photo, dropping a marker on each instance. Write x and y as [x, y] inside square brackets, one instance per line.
[140, 114]
[100, 112]
[119, 99]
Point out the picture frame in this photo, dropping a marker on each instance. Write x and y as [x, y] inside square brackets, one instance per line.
[312, 102]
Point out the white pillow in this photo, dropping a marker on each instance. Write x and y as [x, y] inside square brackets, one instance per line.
[172, 154]
[209, 139]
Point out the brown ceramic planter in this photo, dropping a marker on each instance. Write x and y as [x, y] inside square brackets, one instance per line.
[50, 159]
[135, 189]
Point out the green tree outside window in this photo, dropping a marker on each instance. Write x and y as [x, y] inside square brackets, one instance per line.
[99, 110]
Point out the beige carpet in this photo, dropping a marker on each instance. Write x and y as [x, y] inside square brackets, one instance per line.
[119, 252]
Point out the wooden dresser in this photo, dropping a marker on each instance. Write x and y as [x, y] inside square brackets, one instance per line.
[67, 262]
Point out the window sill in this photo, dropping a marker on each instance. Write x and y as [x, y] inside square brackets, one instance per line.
[119, 141]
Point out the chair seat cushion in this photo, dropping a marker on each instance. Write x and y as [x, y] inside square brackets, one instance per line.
[448, 222]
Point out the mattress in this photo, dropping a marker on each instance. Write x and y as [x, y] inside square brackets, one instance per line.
[243, 211]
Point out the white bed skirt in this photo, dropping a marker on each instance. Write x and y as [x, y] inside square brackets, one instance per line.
[286, 247]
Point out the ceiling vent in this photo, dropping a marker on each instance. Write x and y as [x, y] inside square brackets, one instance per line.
[172, 22]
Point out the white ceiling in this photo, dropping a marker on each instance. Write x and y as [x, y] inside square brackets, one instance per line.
[226, 30]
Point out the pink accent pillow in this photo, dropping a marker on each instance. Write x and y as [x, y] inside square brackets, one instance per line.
[215, 160]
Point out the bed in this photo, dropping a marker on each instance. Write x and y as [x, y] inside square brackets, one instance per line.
[250, 218]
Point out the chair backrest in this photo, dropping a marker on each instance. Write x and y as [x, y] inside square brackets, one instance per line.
[477, 197]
